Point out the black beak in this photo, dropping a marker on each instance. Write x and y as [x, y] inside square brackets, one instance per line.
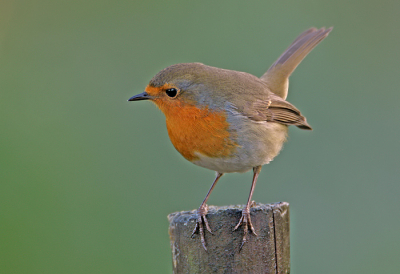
[141, 96]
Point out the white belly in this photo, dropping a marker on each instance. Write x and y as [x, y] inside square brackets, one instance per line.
[259, 143]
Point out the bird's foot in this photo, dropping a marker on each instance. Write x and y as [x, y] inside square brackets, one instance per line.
[245, 220]
[200, 222]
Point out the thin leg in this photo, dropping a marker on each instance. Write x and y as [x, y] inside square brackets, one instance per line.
[202, 212]
[245, 219]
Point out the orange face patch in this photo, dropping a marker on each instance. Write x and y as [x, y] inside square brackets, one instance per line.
[192, 129]
[155, 91]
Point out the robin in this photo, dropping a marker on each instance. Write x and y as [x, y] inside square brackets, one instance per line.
[230, 121]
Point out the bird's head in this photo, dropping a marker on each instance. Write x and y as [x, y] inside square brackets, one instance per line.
[177, 86]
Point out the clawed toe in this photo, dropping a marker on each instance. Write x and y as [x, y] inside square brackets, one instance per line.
[200, 222]
[245, 220]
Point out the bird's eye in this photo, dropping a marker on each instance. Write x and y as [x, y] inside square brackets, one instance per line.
[171, 92]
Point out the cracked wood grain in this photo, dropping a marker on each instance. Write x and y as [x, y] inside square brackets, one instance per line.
[269, 252]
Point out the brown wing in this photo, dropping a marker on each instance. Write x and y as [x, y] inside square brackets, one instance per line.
[277, 110]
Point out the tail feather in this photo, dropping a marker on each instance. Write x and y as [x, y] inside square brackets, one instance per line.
[277, 75]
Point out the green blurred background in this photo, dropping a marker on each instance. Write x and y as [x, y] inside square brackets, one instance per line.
[87, 178]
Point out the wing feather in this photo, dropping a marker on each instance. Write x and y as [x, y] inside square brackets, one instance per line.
[276, 110]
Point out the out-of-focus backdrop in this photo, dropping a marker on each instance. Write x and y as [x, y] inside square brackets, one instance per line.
[87, 178]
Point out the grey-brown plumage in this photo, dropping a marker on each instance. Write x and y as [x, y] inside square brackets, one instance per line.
[277, 76]
[277, 110]
[230, 121]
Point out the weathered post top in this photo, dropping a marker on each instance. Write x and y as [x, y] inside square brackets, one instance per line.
[268, 252]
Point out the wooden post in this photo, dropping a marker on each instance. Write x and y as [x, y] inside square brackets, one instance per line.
[269, 252]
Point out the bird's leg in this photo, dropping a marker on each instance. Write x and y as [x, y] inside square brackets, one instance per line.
[245, 219]
[202, 212]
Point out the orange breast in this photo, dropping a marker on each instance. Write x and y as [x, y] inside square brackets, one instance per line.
[192, 130]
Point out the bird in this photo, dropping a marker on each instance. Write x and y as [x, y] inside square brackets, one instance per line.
[230, 121]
